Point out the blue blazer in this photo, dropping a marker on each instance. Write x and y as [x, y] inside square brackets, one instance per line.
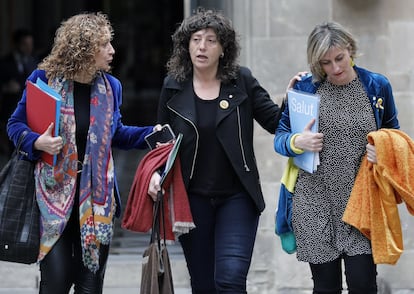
[379, 92]
[123, 137]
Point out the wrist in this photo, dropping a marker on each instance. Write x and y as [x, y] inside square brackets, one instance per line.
[295, 149]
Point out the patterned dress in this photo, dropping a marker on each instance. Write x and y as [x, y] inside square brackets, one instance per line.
[319, 201]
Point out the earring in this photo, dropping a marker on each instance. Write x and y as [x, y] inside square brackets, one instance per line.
[222, 55]
[352, 62]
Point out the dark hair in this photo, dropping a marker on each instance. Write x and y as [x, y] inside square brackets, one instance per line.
[180, 66]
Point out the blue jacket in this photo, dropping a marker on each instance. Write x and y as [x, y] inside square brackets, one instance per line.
[123, 137]
[379, 92]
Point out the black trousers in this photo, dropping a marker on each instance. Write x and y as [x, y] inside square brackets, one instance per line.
[63, 267]
[360, 273]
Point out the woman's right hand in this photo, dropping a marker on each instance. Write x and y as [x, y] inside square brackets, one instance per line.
[47, 143]
[154, 185]
[308, 140]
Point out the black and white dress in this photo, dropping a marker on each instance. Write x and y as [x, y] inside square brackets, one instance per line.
[319, 201]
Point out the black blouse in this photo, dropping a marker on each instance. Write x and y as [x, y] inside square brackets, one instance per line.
[81, 97]
[214, 175]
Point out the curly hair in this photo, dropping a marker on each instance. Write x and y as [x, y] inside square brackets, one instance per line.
[76, 42]
[180, 66]
[323, 37]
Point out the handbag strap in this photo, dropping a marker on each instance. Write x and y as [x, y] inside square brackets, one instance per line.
[158, 208]
[20, 141]
[158, 215]
[155, 231]
[161, 197]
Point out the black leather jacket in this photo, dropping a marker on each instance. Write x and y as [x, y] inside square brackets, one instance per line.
[240, 102]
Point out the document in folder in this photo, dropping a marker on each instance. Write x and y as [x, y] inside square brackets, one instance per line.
[42, 108]
[302, 108]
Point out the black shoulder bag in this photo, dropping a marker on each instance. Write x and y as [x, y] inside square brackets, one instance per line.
[19, 213]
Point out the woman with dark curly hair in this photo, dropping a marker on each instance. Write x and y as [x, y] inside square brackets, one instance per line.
[78, 196]
[213, 102]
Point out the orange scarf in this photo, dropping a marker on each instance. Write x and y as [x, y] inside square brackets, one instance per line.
[378, 189]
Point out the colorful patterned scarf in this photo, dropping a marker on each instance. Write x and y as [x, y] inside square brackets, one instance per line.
[56, 186]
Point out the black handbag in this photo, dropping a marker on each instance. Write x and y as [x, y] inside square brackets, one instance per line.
[19, 212]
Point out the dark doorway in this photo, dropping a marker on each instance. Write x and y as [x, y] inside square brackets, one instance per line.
[142, 42]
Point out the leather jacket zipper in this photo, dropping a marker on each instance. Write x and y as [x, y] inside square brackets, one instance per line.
[196, 146]
[246, 167]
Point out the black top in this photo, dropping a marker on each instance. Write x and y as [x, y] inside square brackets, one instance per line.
[214, 176]
[82, 97]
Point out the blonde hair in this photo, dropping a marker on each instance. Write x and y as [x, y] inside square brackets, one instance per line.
[76, 42]
[323, 37]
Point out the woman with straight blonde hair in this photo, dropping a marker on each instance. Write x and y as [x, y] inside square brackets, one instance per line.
[353, 102]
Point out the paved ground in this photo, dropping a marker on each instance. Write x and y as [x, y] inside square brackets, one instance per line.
[124, 264]
[122, 275]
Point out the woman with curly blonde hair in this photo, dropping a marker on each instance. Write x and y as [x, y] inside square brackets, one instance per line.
[77, 196]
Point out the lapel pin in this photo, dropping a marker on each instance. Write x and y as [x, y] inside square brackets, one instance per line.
[224, 104]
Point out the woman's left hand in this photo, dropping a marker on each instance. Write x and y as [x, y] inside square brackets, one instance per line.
[371, 153]
[295, 78]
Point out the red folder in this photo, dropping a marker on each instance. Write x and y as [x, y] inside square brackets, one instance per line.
[42, 108]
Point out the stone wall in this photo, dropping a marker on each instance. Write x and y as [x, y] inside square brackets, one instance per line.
[273, 36]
